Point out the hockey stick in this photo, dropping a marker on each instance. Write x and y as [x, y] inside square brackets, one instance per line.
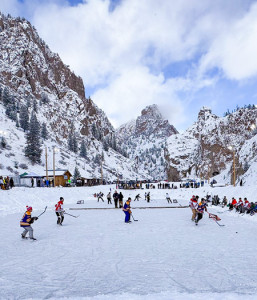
[42, 212]
[71, 215]
[218, 223]
[133, 218]
[215, 218]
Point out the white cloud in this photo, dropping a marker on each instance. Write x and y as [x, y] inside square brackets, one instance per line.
[234, 49]
[124, 51]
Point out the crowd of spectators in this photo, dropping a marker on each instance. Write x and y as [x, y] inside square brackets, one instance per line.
[6, 183]
[241, 206]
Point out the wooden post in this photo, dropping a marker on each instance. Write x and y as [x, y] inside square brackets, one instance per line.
[46, 164]
[54, 164]
[234, 167]
[101, 169]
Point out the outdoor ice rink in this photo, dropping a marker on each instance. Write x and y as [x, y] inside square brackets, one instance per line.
[97, 256]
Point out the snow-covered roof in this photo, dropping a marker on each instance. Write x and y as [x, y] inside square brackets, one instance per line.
[57, 172]
[29, 175]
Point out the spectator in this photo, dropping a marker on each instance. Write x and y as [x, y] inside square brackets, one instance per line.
[116, 198]
[11, 183]
[121, 200]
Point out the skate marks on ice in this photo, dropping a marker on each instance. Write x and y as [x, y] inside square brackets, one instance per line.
[97, 254]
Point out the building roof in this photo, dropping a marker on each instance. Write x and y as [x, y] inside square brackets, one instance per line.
[30, 175]
[57, 173]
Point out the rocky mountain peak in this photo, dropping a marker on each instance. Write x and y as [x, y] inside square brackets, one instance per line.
[151, 122]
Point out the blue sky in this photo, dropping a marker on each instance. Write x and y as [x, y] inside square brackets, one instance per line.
[181, 54]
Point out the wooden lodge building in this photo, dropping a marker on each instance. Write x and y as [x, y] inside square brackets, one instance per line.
[62, 177]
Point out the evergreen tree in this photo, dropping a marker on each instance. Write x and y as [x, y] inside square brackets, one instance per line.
[35, 105]
[6, 97]
[44, 132]
[246, 166]
[24, 118]
[105, 144]
[28, 102]
[75, 143]
[1, 93]
[93, 130]
[97, 159]
[72, 140]
[17, 123]
[3, 143]
[113, 143]
[83, 150]
[76, 174]
[44, 99]
[33, 145]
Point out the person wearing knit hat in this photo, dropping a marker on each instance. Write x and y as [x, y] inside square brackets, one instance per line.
[59, 211]
[201, 207]
[25, 223]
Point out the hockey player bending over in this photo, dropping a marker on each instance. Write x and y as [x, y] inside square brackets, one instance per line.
[59, 211]
[200, 210]
[100, 196]
[25, 223]
[137, 197]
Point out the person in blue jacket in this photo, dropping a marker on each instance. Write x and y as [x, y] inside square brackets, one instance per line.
[127, 210]
[25, 223]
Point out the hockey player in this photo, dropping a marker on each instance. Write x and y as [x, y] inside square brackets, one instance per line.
[59, 211]
[168, 198]
[193, 203]
[148, 197]
[109, 198]
[25, 223]
[137, 197]
[202, 206]
[127, 210]
[100, 196]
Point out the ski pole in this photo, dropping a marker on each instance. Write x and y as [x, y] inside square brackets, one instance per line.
[42, 212]
[71, 215]
[133, 218]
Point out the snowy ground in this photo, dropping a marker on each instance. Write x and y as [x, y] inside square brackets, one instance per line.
[97, 256]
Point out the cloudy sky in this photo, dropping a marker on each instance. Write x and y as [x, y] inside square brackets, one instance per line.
[179, 54]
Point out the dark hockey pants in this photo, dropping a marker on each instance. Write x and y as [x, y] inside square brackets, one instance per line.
[60, 217]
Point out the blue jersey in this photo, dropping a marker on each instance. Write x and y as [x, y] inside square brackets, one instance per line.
[126, 206]
[201, 207]
[26, 219]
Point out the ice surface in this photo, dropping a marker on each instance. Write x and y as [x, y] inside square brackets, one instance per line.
[97, 256]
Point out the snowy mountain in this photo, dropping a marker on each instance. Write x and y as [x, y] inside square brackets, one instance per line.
[33, 77]
[206, 148]
[34, 81]
[144, 141]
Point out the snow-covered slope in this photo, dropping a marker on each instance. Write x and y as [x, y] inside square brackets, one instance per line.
[31, 73]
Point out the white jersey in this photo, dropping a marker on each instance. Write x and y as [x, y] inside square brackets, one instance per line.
[193, 204]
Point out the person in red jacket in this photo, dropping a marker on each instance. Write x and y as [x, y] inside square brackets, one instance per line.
[59, 211]
[25, 223]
